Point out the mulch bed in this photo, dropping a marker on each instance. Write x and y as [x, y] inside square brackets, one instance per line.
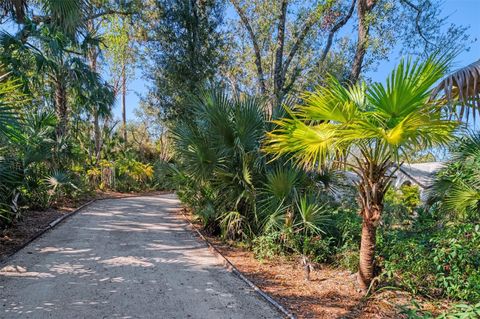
[32, 223]
[331, 293]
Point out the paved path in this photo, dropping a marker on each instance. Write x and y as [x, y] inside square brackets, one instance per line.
[124, 258]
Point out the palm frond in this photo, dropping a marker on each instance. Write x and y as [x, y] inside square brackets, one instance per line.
[396, 118]
[66, 14]
[312, 218]
[10, 100]
[463, 199]
[462, 87]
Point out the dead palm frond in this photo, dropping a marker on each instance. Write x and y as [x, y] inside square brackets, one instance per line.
[462, 88]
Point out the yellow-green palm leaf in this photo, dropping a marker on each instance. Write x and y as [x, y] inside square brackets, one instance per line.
[383, 121]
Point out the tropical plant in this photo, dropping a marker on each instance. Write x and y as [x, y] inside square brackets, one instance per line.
[219, 150]
[11, 100]
[456, 189]
[369, 129]
[68, 15]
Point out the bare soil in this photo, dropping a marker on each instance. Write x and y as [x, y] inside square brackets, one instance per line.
[32, 223]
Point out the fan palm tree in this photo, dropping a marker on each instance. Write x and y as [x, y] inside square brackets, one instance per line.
[63, 69]
[370, 129]
[218, 148]
[67, 15]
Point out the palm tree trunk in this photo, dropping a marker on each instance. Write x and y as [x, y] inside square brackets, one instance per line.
[367, 254]
[61, 108]
[371, 190]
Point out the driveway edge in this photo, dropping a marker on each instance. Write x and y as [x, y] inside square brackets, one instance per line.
[43, 231]
[60, 219]
[231, 267]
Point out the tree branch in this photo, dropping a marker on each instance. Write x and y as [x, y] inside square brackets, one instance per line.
[109, 12]
[256, 48]
[334, 30]
[311, 20]
[417, 19]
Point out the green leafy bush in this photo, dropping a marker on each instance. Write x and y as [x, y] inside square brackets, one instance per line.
[268, 246]
[457, 311]
[456, 255]
[441, 262]
[400, 204]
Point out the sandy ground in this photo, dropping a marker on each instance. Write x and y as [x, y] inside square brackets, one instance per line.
[124, 258]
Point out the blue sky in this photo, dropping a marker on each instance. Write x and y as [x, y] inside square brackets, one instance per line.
[464, 12]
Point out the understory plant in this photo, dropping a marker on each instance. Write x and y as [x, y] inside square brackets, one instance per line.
[221, 172]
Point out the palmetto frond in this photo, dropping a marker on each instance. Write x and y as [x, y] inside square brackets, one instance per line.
[311, 216]
[10, 99]
[469, 149]
[456, 187]
[463, 198]
[66, 14]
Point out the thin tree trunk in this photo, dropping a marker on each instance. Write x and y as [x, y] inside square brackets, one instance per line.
[278, 76]
[363, 8]
[61, 108]
[256, 47]
[96, 134]
[124, 111]
[96, 118]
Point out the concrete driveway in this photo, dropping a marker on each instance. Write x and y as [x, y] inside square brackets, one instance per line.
[124, 258]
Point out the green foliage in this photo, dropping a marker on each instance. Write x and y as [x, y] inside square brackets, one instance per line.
[382, 121]
[185, 49]
[457, 311]
[457, 260]
[400, 204]
[221, 173]
[456, 190]
[268, 246]
[434, 262]
[220, 151]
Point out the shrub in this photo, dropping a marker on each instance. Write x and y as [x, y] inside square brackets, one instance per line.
[456, 255]
[440, 262]
[268, 246]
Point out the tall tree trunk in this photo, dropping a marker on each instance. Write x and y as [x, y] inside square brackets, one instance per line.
[363, 8]
[256, 46]
[278, 75]
[92, 57]
[61, 108]
[96, 118]
[124, 110]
